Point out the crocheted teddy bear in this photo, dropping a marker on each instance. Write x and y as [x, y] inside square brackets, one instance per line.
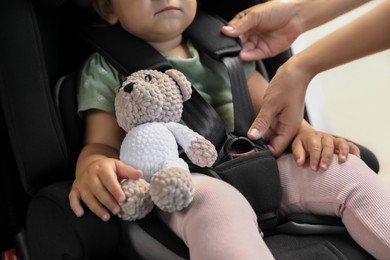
[148, 107]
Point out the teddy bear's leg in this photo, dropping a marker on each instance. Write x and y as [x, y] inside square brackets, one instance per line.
[138, 202]
[171, 189]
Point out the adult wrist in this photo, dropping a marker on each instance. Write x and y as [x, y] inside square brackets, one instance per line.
[301, 66]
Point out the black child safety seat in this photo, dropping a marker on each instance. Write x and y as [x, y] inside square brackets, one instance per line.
[41, 51]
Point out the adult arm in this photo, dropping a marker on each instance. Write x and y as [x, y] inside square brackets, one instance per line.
[268, 29]
[283, 103]
[284, 98]
[366, 35]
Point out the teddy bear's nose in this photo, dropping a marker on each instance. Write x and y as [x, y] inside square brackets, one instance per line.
[129, 87]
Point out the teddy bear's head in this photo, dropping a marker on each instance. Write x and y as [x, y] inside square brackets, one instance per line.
[151, 96]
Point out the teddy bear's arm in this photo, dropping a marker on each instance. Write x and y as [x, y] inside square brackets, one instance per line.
[198, 149]
[184, 135]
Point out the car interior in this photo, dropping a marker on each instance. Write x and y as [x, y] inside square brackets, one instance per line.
[42, 47]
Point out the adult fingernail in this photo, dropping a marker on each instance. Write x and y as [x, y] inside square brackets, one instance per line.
[229, 28]
[254, 133]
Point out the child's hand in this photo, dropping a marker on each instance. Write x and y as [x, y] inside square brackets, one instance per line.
[99, 188]
[320, 147]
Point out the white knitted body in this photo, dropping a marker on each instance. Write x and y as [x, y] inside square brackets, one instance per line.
[151, 147]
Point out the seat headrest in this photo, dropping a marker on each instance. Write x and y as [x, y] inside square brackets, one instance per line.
[48, 4]
[83, 3]
[53, 4]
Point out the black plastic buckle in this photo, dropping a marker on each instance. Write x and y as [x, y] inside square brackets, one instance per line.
[238, 146]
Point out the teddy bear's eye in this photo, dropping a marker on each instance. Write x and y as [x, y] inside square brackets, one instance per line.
[148, 77]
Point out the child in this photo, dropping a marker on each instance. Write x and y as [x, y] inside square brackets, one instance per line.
[348, 189]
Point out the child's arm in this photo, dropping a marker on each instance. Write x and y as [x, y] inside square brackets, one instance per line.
[98, 168]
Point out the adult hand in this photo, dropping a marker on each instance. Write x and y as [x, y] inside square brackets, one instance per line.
[282, 110]
[266, 29]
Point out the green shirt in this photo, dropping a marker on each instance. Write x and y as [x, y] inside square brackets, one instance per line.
[99, 82]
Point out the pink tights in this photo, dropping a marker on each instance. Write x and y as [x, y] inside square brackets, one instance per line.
[220, 224]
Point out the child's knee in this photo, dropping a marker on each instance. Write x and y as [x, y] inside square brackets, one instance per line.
[213, 194]
[354, 169]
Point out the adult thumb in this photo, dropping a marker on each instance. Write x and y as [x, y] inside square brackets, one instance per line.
[239, 25]
[278, 144]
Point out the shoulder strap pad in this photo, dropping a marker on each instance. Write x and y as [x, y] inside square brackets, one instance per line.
[113, 42]
[205, 34]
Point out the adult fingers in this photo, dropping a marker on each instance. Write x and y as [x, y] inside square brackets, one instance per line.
[279, 143]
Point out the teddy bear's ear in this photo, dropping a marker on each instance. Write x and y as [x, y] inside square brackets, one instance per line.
[182, 82]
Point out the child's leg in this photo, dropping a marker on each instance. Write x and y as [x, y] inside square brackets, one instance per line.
[349, 190]
[218, 224]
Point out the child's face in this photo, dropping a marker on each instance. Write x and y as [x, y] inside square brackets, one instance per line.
[154, 20]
